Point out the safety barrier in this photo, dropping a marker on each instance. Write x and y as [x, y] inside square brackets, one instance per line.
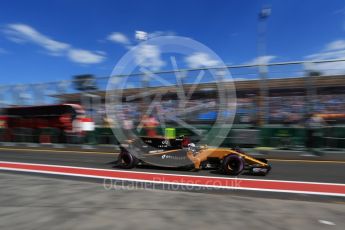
[334, 137]
[105, 136]
[283, 137]
[49, 135]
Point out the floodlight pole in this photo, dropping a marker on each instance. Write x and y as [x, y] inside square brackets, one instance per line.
[263, 103]
[2, 97]
[311, 88]
[142, 36]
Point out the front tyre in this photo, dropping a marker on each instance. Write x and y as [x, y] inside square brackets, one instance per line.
[127, 160]
[233, 164]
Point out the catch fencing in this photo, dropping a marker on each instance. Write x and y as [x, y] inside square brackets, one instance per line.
[272, 106]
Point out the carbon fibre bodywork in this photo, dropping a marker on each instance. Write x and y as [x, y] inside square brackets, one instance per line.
[174, 153]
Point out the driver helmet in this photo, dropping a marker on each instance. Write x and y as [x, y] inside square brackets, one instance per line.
[191, 145]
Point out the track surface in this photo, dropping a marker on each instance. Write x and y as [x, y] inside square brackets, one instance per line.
[36, 202]
[331, 172]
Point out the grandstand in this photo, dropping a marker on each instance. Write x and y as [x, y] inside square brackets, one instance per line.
[288, 97]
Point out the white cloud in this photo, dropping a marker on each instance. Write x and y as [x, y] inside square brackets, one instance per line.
[332, 50]
[159, 33]
[85, 56]
[139, 35]
[22, 33]
[324, 55]
[143, 35]
[119, 38]
[145, 55]
[261, 60]
[148, 56]
[200, 59]
[336, 45]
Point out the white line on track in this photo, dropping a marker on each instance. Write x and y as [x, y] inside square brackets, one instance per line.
[176, 179]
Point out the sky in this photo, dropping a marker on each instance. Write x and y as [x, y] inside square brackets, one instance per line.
[43, 41]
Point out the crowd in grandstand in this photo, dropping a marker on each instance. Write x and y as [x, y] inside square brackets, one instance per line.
[292, 109]
[282, 109]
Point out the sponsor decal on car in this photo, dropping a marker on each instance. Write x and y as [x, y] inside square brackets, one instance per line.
[173, 157]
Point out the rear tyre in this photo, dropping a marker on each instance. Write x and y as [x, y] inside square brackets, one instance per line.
[127, 160]
[233, 165]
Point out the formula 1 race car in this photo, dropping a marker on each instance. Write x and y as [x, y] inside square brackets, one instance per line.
[178, 153]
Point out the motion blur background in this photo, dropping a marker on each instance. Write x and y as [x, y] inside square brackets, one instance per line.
[287, 61]
[280, 63]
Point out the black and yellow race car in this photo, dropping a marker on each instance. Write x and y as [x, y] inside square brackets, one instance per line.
[179, 153]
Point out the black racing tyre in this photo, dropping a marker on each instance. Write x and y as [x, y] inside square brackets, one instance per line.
[233, 164]
[127, 160]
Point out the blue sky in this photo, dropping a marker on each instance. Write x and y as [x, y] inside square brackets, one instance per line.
[53, 40]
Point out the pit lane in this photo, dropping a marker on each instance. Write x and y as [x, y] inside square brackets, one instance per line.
[37, 202]
[297, 170]
[282, 170]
